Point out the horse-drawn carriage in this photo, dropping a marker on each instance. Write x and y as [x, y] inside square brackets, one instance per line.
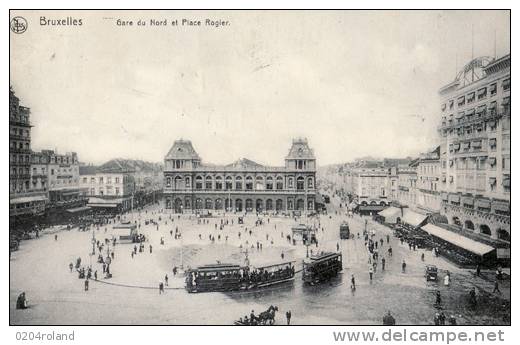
[430, 272]
[321, 267]
[264, 318]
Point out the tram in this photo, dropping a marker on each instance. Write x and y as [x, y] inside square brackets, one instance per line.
[219, 277]
[261, 277]
[321, 267]
[229, 277]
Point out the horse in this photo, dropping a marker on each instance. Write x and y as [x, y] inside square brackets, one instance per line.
[268, 316]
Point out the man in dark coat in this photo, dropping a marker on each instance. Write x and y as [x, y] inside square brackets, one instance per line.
[288, 316]
[388, 319]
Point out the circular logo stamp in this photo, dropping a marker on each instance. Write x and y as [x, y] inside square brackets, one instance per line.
[18, 25]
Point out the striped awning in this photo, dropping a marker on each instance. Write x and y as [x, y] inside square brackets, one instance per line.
[458, 240]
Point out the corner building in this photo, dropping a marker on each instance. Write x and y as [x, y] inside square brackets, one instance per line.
[475, 148]
[242, 186]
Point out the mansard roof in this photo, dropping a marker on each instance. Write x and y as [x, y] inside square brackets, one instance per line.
[182, 149]
[300, 150]
[244, 163]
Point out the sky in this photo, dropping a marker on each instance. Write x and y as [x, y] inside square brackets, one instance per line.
[354, 83]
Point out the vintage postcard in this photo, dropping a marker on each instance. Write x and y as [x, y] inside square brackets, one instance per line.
[260, 167]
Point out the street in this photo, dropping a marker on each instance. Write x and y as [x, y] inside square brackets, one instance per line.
[56, 296]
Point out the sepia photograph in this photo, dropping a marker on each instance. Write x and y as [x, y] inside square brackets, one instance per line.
[260, 167]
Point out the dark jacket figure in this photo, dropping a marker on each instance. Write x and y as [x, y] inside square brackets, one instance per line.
[388, 319]
[383, 262]
[403, 266]
[166, 280]
[472, 298]
[21, 301]
[288, 316]
[86, 284]
[161, 288]
[437, 297]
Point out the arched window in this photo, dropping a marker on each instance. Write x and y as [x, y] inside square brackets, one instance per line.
[209, 183]
[279, 183]
[229, 183]
[300, 183]
[178, 182]
[485, 230]
[310, 183]
[469, 225]
[269, 184]
[503, 235]
[249, 184]
[260, 183]
[218, 183]
[238, 183]
[198, 182]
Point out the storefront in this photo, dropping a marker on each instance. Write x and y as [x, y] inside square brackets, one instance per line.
[458, 248]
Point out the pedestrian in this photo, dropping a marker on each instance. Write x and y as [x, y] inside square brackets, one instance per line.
[374, 264]
[150, 249]
[56, 237]
[288, 316]
[161, 288]
[71, 266]
[135, 249]
[388, 319]
[478, 270]
[337, 247]
[112, 255]
[353, 283]
[422, 256]
[496, 289]
[403, 266]
[436, 320]
[166, 280]
[105, 265]
[390, 251]
[282, 255]
[447, 279]
[437, 298]
[95, 274]
[86, 284]
[442, 319]
[383, 262]
[133, 254]
[370, 272]
[452, 320]
[387, 238]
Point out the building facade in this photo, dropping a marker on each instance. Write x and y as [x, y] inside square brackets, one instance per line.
[59, 175]
[243, 186]
[475, 153]
[107, 189]
[23, 199]
[428, 197]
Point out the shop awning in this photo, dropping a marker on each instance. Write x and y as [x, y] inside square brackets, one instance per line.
[371, 208]
[25, 199]
[390, 212]
[458, 240]
[413, 218]
[78, 209]
[103, 205]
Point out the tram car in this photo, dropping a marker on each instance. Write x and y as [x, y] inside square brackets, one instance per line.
[219, 277]
[344, 231]
[265, 276]
[321, 268]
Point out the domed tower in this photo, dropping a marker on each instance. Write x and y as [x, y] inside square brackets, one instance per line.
[179, 165]
[300, 165]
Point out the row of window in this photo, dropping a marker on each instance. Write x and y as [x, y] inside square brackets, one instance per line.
[20, 132]
[101, 191]
[480, 163]
[101, 180]
[480, 94]
[471, 184]
[13, 158]
[13, 145]
[227, 184]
